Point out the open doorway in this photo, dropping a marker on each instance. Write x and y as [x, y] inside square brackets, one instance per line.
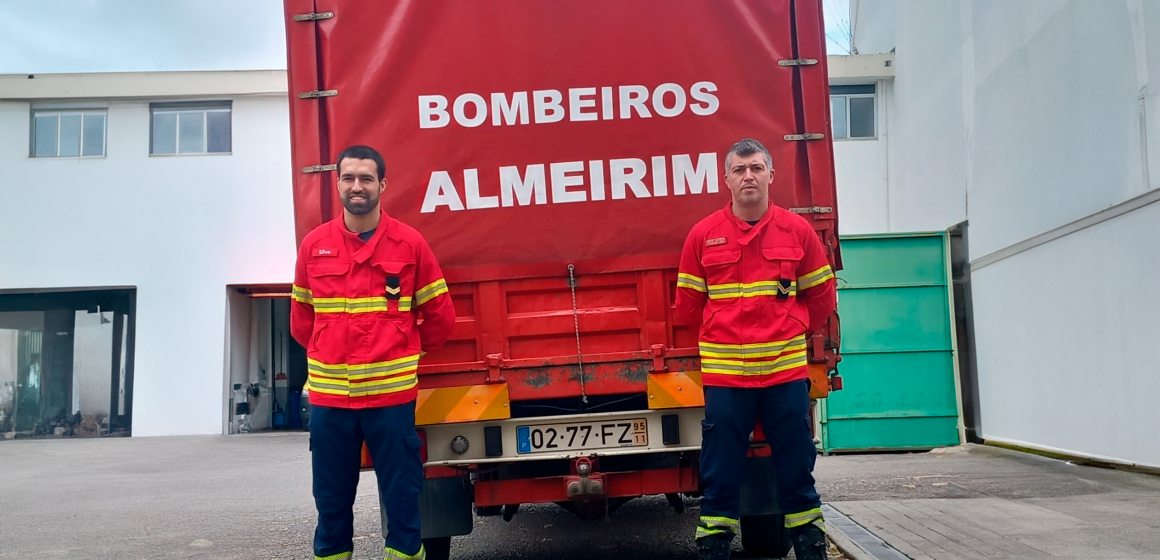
[266, 366]
[66, 363]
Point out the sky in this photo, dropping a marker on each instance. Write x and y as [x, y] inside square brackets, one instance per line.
[60, 36]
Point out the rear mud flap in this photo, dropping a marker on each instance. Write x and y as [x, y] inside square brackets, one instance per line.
[444, 508]
[759, 491]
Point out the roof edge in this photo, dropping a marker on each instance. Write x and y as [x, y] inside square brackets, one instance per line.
[136, 85]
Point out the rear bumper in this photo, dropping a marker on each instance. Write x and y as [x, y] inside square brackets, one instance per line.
[439, 437]
[596, 485]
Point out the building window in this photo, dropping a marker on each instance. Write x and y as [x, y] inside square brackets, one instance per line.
[66, 363]
[852, 111]
[68, 133]
[190, 128]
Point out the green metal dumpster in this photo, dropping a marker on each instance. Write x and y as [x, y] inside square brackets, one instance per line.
[898, 347]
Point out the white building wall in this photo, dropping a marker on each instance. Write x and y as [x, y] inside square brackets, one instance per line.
[1024, 117]
[1067, 371]
[179, 229]
[861, 168]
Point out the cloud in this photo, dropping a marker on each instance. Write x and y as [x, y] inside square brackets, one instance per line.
[50, 36]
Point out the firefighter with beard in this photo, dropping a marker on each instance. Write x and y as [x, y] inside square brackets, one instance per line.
[361, 283]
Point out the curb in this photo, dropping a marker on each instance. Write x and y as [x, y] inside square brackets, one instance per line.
[854, 541]
[846, 546]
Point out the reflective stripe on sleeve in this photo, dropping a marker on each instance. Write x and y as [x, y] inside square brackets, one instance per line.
[815, 278]
[430, 291]
[691, 282]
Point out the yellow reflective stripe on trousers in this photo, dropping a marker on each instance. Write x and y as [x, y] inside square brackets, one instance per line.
[815, 278]
[430, 291]
[805, 518]
[766, 367]
[339, 556]
[691, 282]
[752, 289]
[709, 525]
[752, 350]
[392, 554]
[301, 295]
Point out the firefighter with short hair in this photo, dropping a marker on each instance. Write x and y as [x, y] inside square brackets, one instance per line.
[361, 283]
[756, 280]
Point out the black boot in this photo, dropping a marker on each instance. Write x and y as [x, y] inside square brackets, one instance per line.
[714, 547]
[809, 543]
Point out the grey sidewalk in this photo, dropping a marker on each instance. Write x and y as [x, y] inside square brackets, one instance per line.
[248, 497]
[977, 502]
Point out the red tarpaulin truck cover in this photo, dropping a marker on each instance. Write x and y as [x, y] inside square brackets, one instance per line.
[521, 134]
[555, 155]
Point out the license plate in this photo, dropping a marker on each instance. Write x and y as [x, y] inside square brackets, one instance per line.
[581, 435]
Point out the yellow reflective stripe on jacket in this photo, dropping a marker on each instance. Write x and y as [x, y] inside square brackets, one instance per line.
[392, 385]
[359, 305]
[301, 295]
[815, 278]
[350, 305]
[752, 289]
[363, 370]
[765, 367]
[691, 282]
[430, 291]
[361, 379]
[754, 350]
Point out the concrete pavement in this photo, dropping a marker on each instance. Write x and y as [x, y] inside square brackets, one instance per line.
[249, 497]
[977, 502]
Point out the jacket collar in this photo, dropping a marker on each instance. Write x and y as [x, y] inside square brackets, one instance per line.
[748, 232]
[367, 249]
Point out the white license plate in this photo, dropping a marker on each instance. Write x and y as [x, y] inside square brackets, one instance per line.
[546, 438]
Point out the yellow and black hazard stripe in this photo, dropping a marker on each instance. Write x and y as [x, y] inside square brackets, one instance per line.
[815, 278]
[430, 291]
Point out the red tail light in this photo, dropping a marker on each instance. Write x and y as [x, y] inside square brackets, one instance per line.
[423, 449]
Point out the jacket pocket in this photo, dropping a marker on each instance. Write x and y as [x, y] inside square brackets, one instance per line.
[327, 279]
[783, 265]
[323, 269]
[395, 279]
[722, 271]
[319, 326]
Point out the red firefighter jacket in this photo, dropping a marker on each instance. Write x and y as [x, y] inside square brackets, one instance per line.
[356, 307]
[755, 291]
